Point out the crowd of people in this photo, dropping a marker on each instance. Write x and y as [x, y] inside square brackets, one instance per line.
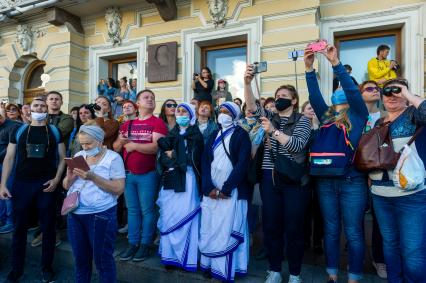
[193, 178]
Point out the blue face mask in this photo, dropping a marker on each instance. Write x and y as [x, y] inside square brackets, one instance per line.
[92, 152]
[182, 121]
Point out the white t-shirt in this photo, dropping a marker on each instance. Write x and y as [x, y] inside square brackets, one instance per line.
[92, 198]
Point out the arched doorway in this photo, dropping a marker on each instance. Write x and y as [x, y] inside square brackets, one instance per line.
[24, 79]
[32, 81]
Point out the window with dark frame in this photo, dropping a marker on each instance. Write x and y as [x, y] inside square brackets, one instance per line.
[364, 45]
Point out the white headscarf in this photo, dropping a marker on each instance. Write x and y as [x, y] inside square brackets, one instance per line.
[233, 108]
[191, 111]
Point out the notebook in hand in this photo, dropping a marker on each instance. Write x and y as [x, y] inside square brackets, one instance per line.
[77, 162]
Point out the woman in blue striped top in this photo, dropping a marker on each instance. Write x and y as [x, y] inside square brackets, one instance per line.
[284, 200]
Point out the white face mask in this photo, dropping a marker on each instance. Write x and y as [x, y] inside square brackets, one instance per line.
[225, 120]
[38, 116]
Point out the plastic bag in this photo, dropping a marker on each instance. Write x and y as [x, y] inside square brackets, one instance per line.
[409, 173]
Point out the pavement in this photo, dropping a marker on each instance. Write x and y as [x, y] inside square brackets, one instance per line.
[151, 271]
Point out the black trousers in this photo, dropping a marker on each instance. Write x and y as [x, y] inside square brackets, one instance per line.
[284, 208]
[23, 195]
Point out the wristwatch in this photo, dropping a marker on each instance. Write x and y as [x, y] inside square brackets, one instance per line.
[276, 133]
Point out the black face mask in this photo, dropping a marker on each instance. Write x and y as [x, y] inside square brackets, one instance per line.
[282, 104]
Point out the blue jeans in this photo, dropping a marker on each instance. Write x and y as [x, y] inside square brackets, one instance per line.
[140, 194]
[93, 236]
[343, 199]
[6, 211]
[402, 221]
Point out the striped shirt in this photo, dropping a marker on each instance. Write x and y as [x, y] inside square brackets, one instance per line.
[296, 143]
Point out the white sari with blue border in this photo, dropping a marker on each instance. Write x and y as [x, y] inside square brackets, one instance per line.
[224, 230]
[178, 224]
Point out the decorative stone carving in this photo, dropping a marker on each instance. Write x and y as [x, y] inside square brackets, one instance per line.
[166, 8]
[218, 10]
[162, 62]
[113, 22]
[58, 17]
[24, 36]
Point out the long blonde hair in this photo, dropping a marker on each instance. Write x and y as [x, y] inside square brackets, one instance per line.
[342, 119]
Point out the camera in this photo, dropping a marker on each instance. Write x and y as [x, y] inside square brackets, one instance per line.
[260, 67]
[397, 67]
[94, 107]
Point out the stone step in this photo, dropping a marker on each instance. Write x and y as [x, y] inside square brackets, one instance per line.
[152, 271]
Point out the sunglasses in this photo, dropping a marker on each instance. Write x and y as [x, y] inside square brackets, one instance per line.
[12, 110]
[171, 105]
[371, 89]
[389, 90]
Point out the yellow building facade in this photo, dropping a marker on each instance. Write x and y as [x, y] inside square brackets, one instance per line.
[78, 52]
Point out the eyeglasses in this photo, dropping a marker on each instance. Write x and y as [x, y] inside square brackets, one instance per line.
[171, 105]
[371, 89]
[389, 90]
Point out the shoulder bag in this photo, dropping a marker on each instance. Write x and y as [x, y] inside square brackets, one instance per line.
[375, 150]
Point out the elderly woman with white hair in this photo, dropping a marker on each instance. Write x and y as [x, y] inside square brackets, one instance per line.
[224, 241]
[92, 226]
[179, 164]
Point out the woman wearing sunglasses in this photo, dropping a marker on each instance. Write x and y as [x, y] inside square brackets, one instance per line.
[13, 112]
[402, 214]
[370, 92]
[167, 113]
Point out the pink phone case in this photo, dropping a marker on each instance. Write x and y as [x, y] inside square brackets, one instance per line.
[318, 45]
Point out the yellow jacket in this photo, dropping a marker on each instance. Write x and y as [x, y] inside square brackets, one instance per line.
[379, 69]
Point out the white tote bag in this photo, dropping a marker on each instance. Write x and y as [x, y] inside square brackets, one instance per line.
[409, 173]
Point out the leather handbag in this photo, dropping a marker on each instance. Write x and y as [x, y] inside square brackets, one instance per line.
[375, 150]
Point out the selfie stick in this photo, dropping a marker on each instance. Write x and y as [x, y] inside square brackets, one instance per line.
[262, 110]
[294, 55]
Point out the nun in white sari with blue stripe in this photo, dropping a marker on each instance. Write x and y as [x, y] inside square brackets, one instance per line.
[179, 163]
[223, 241]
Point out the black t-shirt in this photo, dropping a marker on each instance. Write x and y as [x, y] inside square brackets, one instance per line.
[31, 169]
[202, 93]
[6, 128]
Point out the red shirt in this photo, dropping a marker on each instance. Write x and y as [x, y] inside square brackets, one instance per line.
[141, 131]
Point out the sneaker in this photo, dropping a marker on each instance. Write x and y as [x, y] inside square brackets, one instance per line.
[331, 280]
[37, 241]
[273, 277]
[381, 270]
[58, 240]
[143, 253]
[7, 228]
[294, 279]
[13, 277]
[124, 229]
[48, 276]
[129, 253]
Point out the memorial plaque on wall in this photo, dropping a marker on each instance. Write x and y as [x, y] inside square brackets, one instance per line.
[162, 62]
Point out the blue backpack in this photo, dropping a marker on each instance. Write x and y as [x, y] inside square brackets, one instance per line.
[18, 134]
[331, 152]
